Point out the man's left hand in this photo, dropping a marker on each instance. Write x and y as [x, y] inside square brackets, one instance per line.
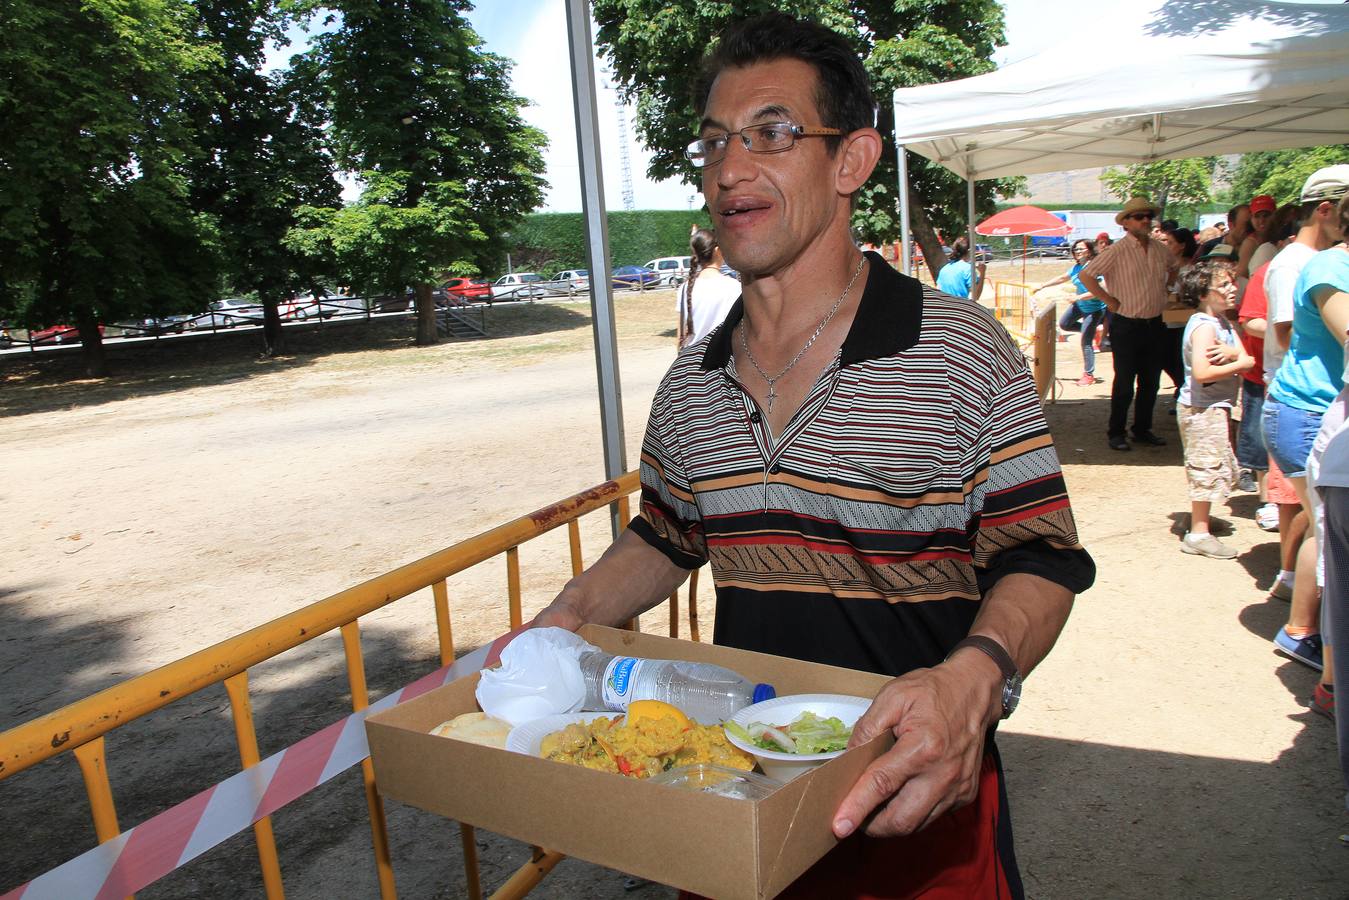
[939, 717]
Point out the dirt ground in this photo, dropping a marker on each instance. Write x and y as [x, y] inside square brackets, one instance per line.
[1163, 749]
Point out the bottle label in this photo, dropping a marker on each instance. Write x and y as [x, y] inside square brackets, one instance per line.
[619, 678]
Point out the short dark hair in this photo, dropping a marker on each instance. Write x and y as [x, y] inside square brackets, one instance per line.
[1197, 280]
[1286, 222]
[1234, 211]
[842, 90]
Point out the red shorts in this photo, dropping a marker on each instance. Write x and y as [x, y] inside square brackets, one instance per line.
[965, 855]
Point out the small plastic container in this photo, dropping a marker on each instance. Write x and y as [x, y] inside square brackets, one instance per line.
[720, 780]
[784, 767]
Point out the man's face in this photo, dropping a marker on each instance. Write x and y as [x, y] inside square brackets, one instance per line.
[1138, 224]
[769, 208]
[1242, 225]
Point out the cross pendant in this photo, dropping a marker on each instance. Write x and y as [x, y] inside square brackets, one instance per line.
[771, 395]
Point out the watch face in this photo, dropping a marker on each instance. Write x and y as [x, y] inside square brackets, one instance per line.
[1011, 696]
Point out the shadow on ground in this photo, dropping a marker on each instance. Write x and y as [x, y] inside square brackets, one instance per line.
[42, 382]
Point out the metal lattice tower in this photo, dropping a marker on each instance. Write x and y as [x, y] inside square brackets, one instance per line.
[624, 161]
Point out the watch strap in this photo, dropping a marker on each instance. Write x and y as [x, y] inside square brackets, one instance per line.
[993, 649]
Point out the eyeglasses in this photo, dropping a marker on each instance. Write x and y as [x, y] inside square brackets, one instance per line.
[1140, 216]
[771, 137]
[1081, 250]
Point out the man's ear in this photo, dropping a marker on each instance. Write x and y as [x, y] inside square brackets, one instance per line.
[858, 155]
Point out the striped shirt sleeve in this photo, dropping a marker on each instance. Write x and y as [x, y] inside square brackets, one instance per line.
[1024, 522]
[668, 519]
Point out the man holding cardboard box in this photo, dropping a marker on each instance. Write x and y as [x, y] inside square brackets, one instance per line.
[864, 462]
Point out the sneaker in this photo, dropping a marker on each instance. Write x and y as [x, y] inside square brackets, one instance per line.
[1147, 437]
[1086, 381]
[1207, 545]
[1305, 650]
[1246, 481]
[1282, 590]
[1323, 701]
[1267, 517]
[1117, 442]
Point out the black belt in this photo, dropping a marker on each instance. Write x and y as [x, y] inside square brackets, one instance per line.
[1156, 318]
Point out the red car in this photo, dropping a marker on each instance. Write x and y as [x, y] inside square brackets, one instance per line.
[58, 334]
[466, 290]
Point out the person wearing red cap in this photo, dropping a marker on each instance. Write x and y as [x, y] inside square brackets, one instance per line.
[1262, 213]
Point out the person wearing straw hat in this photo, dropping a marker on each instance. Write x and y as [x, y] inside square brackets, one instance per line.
[1139, 268]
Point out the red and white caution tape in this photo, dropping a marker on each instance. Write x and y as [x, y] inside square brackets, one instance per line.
[143, 854]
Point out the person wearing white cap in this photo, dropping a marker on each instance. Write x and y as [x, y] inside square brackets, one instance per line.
[1302, 384]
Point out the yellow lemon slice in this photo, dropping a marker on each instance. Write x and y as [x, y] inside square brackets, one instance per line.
[640, 710]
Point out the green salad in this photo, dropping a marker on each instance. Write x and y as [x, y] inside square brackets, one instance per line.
[807, 733]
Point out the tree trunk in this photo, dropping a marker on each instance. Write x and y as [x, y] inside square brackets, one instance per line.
[426, 315]
[933, 255]
[273, 335]
[95, 360]
[1161, 203]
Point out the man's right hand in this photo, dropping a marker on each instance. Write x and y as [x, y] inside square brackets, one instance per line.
[558, 614]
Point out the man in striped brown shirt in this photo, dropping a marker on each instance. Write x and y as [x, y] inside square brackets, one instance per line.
[865, 464]
[1137, 268]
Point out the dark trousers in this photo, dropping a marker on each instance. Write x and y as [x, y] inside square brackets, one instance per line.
[1139, 348]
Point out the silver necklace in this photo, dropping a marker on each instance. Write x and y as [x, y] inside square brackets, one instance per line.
[774, 379]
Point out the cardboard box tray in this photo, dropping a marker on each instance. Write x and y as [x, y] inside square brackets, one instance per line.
[716, 846]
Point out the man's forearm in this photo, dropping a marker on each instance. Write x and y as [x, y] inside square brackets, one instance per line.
[1025, 614]
[1093, 286]
[630, 578]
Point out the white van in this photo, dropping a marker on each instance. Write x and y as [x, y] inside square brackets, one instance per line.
[672, 269]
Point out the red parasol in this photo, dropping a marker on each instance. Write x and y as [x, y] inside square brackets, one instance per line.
[1025, 221]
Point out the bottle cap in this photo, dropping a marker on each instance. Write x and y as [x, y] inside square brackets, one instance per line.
[764, 692]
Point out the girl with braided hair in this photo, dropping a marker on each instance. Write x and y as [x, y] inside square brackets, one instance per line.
[716, 292]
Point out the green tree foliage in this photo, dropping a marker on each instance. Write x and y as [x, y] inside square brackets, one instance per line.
[550, 242]
[261, 157]
[429, 120]
[1281, 173]
[95, 222]
[654, 46]
[1178, 185]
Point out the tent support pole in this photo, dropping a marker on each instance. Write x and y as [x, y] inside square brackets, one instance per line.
[597, 245]
[969, 218]
[906, 237]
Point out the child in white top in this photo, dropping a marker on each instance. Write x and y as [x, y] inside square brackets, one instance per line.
[1214, 360]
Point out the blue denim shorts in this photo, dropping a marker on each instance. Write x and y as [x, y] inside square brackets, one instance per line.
[1251, 434]
[1289, 435]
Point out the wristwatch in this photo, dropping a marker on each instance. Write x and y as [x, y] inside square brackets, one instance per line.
[1011, 678]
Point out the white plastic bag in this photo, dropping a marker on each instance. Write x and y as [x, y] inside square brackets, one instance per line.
[540, 675]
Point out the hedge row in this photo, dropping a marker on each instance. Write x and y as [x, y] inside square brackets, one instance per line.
[550, 242]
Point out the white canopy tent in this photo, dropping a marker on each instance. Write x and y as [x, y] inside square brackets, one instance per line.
[1159, 80]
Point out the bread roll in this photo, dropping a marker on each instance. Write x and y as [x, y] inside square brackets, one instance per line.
[476, 728]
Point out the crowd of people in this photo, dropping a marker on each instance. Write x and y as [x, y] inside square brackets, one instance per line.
[1251, 317]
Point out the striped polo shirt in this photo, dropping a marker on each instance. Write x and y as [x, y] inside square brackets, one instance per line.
[1137, 278]
[917, 472]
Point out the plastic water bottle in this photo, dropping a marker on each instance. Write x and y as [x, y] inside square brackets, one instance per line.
[705, 692]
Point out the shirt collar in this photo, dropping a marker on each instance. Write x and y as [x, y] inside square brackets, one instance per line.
[888, 321]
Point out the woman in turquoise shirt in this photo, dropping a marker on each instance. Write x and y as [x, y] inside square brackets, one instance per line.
[1084, 313]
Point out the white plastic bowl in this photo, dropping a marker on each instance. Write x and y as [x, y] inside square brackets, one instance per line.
[781, 711]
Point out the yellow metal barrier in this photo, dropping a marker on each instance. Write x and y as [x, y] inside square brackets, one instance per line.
[1032, 327]
[80, 727]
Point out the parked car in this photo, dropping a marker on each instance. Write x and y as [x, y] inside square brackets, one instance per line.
[58, 334]
[573, 280]
[227, 313]
[518, 286]
[154, 325]
[634, 277]
[459, 291]
[672, 269]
